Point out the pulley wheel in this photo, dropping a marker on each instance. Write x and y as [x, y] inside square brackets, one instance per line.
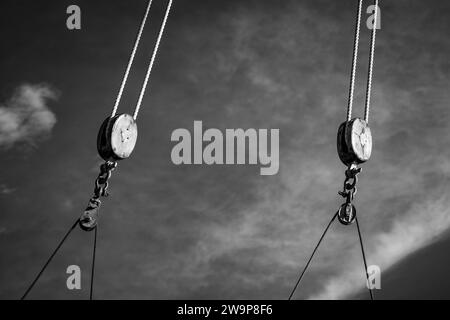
[117, 137]
[347, 214]
[354, 142]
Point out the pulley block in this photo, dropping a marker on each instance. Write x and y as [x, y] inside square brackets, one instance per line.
[117, 137]
[354, 142]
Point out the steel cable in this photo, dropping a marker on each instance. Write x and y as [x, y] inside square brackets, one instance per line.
[131, 59]
[371, 58]
[152, 60]
[93, 263]
[311, 257]
[49, 260]
[354, 62]
[364, 257]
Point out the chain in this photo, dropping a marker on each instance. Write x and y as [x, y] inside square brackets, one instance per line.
[88, 220]
[101, 183]
[351, 179]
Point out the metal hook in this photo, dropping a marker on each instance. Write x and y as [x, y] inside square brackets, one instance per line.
[347, 211]
[88, 220]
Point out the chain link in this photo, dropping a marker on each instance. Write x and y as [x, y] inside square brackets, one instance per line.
[88, 220]
[101, 183]
[351, 179]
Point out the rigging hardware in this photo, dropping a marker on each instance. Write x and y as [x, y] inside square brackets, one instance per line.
[89, 218]
[115, 141]
[354, 146]
[354, 142]
[117, 135]
[347, 211]
[354, 138]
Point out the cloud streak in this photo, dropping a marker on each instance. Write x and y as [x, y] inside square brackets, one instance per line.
[421, 225]
[26, 117]
[226, 232]
[281, 66]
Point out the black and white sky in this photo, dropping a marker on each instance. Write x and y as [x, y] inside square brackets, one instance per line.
[224, 232]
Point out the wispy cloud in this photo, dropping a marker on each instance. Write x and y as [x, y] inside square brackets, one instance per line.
[226, 232]
[422, 224]
[293, 74]
[4, 189]
[26, 117]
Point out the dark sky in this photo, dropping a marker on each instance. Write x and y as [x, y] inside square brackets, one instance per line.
[215, 231]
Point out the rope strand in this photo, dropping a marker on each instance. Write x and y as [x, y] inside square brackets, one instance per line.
[93, 263]
[49, 260]
[354, 62]
[364, 256]
[131, 59]
[152, 60]
[311, 257]
[371, 58]
[113, 113]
